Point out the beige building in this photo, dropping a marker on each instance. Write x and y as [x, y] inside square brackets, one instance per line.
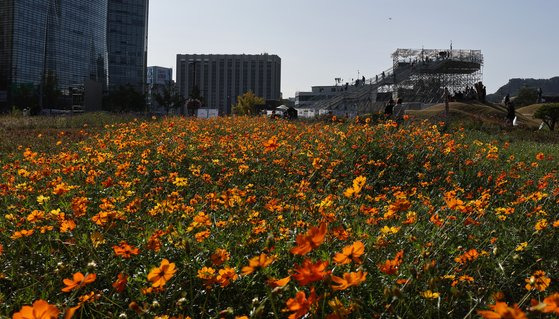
[221, 78]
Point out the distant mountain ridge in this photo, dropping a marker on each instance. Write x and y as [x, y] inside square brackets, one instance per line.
[550, 87]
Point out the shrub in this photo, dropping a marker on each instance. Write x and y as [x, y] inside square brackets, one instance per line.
[549, 114]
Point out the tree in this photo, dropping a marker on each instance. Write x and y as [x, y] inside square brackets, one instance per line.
[246, 104]
[25, 96]
[169, 97]
[549, 114]
[195, 102]
[125, 99]
[526, 96]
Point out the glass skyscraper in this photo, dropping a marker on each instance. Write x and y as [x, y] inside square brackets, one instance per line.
[52, 43]
[51, 48]
[127, 43]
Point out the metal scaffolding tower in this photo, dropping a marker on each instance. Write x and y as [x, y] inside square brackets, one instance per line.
[433, 70]
[417, 75]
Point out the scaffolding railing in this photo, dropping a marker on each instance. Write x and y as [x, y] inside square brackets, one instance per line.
[417, 75]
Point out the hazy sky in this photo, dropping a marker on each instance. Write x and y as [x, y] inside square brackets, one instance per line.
[319, 40]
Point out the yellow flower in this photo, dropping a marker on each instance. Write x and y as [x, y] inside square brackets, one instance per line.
[521, 247]
[42, 199]
[541, 224]
[390, 230]
[428, 294]
[181, 181]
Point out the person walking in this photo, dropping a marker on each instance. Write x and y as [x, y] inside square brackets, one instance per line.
[389, 109]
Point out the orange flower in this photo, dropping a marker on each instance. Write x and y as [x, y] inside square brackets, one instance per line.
[40, 310]
[349, 279]
[121, 282]
[309, 272]
[538, 281]
[540, 156]
[67, 225]
[160, 275]
[125, 251]
[551, 304]
[226, 275]
[22, 233]
[272, 282]
[311, 240]
[207, 274]
[261, 261]
[349, 253]
[470, 255]
[390, 266]
[271, 145]
[78, 281]
[220, 256]
[300, 305]
[61, 189]
[502, 310]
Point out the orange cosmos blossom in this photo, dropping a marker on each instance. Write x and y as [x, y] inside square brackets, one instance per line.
[121, 282]
[309, 241]
[349, 253]
[226, 275]
[271, 144]
[309, 272]
[256, 262]
[78, 280]
[538, 281]
[551, 304]
[40, 310]
[160, 275]
[390, 266]
[272, 282]
[349, 279]
[125, 250]
[502, 310]
[300, 305]
[220, 256]
[470, 255]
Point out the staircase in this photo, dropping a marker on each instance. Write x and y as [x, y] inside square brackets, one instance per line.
[359, 96]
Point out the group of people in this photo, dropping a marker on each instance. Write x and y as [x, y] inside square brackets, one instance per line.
[394, 109]
[476, 92]
[290, 113]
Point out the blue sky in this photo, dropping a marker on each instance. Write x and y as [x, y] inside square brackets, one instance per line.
[319, 40]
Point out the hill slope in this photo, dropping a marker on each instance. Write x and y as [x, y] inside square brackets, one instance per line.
[473, 111]
[548, 86]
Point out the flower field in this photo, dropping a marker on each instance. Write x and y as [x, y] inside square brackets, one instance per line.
[251, 217]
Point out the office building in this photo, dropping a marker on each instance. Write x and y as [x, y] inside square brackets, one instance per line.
[51, 50]
[157, 75]
[318, 93]
[127, 43]
[157, 78]
[221, 78]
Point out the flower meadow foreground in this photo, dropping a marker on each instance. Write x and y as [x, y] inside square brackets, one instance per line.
[251, 217]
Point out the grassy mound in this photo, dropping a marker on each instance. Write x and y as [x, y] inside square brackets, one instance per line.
[484, 114]
[529, 110]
